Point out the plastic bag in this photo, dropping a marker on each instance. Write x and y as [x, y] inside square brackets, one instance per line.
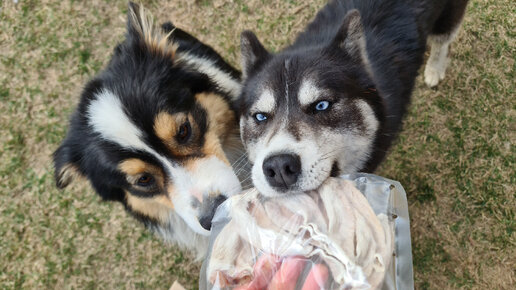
[352, 233]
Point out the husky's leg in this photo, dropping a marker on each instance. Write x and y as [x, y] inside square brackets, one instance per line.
[444, 32]
[435, 68]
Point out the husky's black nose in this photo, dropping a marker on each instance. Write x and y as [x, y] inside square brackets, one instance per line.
[209, 206]
[281, 171]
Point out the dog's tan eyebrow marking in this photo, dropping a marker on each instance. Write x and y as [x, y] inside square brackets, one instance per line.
[134, 167]
[165, 125]
[221, 121]
[308, 92]
[221, 118]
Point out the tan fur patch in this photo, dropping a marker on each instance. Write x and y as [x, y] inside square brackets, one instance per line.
[156, 41]
[221, 122]
[67, 174]
[212, 146]
[221, 117]
[166, 126]
[134, 168]
[157, 207]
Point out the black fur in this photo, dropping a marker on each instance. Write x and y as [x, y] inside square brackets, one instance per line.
[147, 83]
[395, 35]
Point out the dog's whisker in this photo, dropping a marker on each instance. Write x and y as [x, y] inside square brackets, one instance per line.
[246, 179]
[242, 166]
[236, 162]
[241, 163]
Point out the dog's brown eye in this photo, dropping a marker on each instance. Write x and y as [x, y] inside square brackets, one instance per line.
[184, 132]
[145, 180]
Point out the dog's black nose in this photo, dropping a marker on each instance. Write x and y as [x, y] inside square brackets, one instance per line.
[208, 208]
[281, 171]
[206, 222]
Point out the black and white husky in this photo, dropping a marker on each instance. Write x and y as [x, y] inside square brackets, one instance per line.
[333, 102]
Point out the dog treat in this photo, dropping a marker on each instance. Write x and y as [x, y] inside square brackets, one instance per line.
[334, 226]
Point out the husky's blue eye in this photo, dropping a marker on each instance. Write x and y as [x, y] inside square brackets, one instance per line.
[322, 105]
[260, 117]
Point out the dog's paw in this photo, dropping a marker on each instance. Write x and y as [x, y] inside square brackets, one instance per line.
[434, 73]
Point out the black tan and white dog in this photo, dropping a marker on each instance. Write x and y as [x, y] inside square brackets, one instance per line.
[332, 102]
[157, 131]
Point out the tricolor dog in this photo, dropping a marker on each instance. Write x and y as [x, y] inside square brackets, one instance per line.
[157, 131]
[332, 102]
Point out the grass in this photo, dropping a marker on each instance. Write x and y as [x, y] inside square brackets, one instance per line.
[455, 156]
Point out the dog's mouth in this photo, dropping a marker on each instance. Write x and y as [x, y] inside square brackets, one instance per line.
[335, 170]
[208, 208]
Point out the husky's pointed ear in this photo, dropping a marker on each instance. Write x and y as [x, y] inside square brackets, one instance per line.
[253, 54]
[351, 35]
[65, 163]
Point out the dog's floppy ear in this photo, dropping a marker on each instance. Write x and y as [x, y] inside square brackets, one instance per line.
[134, 20]
[253, 53]
[67, 168]
[142, 30]
[65, 164]
[168, 27]
[140, 24]
[351, 36]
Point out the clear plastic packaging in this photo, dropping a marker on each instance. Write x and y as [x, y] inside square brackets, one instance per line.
[352, 233]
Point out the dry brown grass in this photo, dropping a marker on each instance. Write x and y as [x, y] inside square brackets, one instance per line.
[456, 155]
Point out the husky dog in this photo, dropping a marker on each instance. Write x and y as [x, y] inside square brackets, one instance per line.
[157, 131]
[332, 102]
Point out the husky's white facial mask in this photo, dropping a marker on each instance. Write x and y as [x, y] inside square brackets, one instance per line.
[296, 143]
[308, 114]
